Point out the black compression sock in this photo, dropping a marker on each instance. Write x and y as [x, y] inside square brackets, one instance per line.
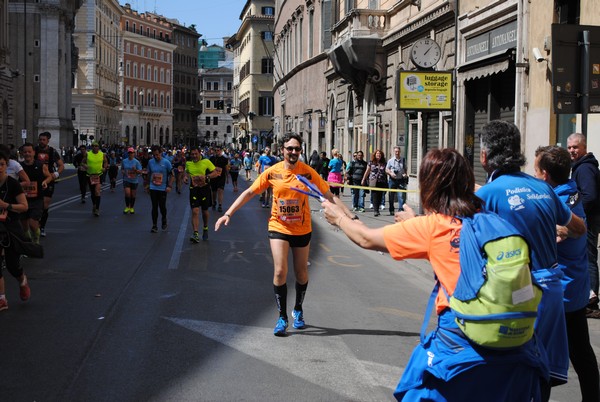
[300, 292]
[44, 218]
[281, 299]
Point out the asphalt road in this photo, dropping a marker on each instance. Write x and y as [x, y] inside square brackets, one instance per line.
[121, 314]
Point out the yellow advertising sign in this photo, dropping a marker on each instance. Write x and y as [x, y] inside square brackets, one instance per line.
[425, 90]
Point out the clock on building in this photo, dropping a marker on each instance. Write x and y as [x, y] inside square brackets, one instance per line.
[425, 53]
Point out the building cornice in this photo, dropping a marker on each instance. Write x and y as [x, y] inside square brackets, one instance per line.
[310, 62]
[144, 40]
[444, 11]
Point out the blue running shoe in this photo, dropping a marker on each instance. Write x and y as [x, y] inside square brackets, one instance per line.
[280, 327]
[298, 319]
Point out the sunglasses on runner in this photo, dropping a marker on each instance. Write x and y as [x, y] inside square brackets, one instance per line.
[292, 149]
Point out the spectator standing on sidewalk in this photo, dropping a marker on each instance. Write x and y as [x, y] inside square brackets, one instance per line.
[335, 168]
[553, 165]
[313, 161]
[355, 173]
[532, 207]
[584, 170]
[397, 179]
[376, 178]
[323, 166]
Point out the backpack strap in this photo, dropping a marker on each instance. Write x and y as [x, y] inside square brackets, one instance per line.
[430, 305]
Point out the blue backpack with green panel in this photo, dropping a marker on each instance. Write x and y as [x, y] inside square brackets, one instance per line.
[496, 298]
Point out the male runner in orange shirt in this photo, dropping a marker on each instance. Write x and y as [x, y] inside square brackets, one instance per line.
[289, 225]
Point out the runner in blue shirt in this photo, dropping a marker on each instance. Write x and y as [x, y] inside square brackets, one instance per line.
[265, 161]
[131, 168]
[161, 181]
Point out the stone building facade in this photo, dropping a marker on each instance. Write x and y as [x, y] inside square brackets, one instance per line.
[95, 94]
[484, 49]
[252, 46]
[8, 133]
[301, 45]
[215, 123]
[43, 60]
[146, 87]
[185, 85]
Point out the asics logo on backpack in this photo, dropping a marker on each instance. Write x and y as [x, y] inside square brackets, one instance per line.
[508, 254]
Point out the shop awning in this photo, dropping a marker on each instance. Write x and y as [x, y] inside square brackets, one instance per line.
[493, 64]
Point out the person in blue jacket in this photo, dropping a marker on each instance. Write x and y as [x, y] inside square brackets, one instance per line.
[534, 209]
[552, 165]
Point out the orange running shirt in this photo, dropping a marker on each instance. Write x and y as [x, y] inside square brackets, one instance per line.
[290, 212]
[432, 237]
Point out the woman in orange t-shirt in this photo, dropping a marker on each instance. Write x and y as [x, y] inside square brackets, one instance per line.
[289, 224]
[446, 366]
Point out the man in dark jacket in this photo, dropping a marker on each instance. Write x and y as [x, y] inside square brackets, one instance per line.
[323, 166]
[354, 173]
[584, 170]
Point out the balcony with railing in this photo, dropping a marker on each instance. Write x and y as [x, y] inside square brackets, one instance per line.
[357, 54]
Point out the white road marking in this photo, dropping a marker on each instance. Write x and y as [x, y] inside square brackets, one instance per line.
[177, 249]
[324, 361]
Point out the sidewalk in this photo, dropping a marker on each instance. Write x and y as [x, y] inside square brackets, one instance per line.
[384, 219]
